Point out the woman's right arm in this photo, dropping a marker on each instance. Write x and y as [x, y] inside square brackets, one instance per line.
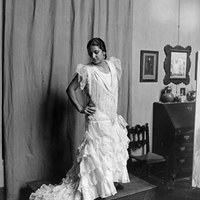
[74, 84]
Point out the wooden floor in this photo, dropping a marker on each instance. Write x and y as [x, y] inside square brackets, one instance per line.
[179, 190]
[136, 189]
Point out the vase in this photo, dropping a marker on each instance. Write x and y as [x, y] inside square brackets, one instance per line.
[167, 95]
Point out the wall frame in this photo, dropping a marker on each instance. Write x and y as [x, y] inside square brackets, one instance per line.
[148, 66]
[177, 64]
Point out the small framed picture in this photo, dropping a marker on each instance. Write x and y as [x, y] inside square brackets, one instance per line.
[182, 91]
[148, 66]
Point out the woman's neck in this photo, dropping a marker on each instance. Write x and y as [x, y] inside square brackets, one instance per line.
[103, 66]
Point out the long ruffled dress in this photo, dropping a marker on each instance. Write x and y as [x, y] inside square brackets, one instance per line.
[102, 156]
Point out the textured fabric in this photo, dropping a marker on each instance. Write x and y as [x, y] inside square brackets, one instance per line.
[102, 156]
[44, 42]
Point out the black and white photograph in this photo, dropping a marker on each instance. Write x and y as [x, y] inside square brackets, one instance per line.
[178, 65]
[99, 99]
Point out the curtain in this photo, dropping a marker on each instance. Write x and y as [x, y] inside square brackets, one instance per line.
[44, 42]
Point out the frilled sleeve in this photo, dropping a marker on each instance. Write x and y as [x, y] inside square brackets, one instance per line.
[82, 75]
[117, 63]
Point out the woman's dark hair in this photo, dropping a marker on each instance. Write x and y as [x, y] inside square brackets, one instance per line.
[97, 42]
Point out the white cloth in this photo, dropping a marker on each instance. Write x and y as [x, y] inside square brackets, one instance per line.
[106, 77]
[102, 156]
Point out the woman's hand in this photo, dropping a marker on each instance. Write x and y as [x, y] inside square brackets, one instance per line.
[89, 110]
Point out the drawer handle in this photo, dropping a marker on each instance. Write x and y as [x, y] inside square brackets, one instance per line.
[186, 137]
[189, 108]
[182, 148]
[181, 161]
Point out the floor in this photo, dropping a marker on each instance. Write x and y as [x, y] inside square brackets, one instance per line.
[178, 190]
[1, 194]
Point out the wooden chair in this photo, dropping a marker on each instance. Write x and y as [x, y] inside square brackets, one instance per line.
[139, 140]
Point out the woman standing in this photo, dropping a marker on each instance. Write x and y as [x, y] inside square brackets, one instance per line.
[101, 158]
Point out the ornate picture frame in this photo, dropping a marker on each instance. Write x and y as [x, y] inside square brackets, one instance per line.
[177, 64]
[148, 66]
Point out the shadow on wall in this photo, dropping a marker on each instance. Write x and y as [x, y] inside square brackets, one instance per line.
[58, 121]
[56, 135]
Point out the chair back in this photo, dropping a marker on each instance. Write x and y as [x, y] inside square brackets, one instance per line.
[139, 138]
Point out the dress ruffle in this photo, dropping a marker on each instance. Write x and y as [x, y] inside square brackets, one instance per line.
[98, 165]
[101, 162]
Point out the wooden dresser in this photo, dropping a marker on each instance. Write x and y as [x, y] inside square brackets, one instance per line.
[173, 134]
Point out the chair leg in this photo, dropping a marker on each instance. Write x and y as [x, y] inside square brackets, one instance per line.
[145, 169]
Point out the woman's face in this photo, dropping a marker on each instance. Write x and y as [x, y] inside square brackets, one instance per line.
[96, 54]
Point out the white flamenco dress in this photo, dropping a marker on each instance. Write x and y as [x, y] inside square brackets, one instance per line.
[102, 156]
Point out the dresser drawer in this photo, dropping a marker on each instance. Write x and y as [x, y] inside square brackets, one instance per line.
[184, 149]
[183, 138]
[184, 163]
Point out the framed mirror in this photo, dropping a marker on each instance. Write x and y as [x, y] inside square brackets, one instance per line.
[177, 64]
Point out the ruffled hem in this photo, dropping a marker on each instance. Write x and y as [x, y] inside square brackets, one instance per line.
[101, 162]
[97, 148]
[97, 166]
[77, 191]
[59, 192]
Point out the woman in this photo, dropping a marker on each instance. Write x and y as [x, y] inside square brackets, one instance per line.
[101, 158]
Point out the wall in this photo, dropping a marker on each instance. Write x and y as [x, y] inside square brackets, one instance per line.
[157, 23]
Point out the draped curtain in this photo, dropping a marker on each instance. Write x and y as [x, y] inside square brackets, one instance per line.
[44, 40]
